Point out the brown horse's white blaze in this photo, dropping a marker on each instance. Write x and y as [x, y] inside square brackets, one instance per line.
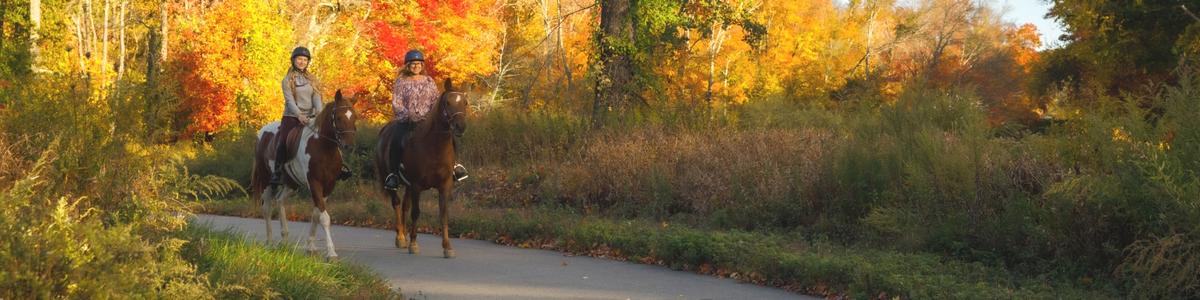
[315, 165]
[428, 159]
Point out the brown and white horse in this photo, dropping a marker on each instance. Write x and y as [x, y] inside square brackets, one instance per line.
[428, 159]
[316, 164]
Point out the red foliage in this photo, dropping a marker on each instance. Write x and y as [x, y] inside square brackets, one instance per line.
[391, 44]
[207, 104]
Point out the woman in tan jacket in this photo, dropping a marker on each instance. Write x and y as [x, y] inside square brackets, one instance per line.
[301, 103]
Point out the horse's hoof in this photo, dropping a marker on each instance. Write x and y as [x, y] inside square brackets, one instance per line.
[414, 249]
[332, 258]
[449, 253]
[401, 244]
[313, 252]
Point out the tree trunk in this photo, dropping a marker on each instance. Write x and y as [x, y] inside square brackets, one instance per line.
[121, 54]
[79, 39]
[163, 14]
[104, 67]
[35, 17]
[563, 49]
[613, 85]
[502, 69]
[870, 33]
[714, 48]
[151, 107]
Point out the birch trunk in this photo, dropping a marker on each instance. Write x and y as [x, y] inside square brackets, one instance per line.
[163, 14]
[562, 48]
[104, 67]
[121, 54]
[35, 17]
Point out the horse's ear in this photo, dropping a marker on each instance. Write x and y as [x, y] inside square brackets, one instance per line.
[337, 96]
[448, 85]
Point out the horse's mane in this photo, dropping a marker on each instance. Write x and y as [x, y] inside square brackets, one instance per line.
[325, 113]
[435, 112]
[426, 125]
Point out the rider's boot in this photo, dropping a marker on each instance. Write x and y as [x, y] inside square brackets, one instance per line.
[277, 171]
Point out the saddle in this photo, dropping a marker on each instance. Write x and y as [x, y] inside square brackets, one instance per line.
[292, 142]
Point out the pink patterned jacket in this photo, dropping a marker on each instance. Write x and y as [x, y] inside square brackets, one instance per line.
[412, 99]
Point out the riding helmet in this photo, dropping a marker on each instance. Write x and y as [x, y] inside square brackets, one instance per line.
[301, 51]
[413, 55]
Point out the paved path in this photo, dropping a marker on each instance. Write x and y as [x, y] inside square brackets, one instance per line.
[484, 270]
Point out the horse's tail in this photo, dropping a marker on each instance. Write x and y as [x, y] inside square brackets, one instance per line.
[255, 190]
[381, 157]
[257, 181]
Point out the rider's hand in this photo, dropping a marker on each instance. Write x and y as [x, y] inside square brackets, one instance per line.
[303, 120]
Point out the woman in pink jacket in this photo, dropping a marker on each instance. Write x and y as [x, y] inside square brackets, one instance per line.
[413, 95]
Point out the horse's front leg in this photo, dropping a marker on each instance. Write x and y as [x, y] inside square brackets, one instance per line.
[283, 219]
[312, 230]
[399, 208]
[318, 197]
[412, 205]
[445, 194]
[266, 199]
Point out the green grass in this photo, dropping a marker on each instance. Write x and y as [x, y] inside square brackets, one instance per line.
[801, 264]
[238, 269]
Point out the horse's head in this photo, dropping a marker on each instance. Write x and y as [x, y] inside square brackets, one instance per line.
[342, 120]
[455, 108]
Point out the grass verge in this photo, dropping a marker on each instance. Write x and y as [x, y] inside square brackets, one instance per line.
[240, 269]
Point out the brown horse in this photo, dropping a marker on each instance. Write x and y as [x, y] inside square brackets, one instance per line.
[428, 159]
[316, 163]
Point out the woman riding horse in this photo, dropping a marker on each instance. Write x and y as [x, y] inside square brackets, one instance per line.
[301, 102]
[413, 94]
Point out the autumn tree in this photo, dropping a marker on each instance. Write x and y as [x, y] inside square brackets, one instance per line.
[460, 39]
[230, 69]
[1121, 45]
[614, 41]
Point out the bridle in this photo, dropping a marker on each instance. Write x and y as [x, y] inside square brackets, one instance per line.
[449, 118]
[337, 136]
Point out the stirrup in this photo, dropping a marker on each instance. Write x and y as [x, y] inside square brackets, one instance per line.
[394, 178]
[345, 173]
[460, 172]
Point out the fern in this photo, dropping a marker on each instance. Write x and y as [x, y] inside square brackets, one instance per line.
[182, 184]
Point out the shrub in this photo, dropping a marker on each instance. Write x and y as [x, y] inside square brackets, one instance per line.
[55, 245]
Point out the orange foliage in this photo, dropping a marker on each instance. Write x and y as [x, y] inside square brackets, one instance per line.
[230, 68]
[1022, 44]
[460, 38]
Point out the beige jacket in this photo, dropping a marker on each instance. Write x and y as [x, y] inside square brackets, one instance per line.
[301, 96]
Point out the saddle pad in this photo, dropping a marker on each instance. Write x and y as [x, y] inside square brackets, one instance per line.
[297, 168]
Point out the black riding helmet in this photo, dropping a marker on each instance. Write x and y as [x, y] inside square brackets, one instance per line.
[300, 51]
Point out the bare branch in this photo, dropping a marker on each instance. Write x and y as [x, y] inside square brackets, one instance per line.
[1189, 12]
